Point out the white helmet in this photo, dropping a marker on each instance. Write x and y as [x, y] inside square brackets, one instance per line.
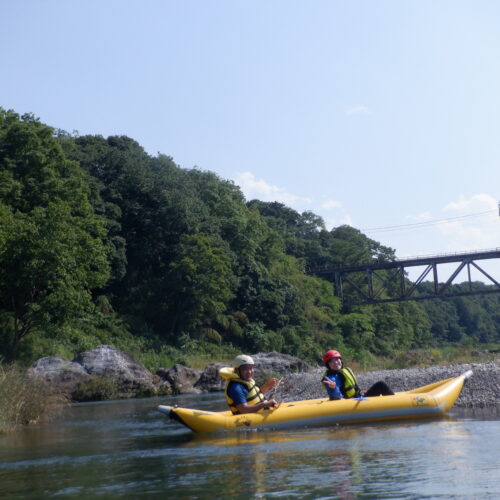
[241, 360]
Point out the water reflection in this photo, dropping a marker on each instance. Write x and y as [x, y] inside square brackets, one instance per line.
[375, 460]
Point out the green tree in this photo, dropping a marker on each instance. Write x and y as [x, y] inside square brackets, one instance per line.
[51, 251]
[199, 285]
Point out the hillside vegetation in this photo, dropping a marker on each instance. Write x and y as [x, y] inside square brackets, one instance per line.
[102, 243]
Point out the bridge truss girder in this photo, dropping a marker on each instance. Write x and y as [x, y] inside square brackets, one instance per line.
[378, 288]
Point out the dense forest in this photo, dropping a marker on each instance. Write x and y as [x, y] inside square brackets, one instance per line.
[102, 243]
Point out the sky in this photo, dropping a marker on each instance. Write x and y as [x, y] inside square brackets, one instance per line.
[384, 115]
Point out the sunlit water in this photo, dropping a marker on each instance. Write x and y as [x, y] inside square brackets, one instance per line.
[126, 449]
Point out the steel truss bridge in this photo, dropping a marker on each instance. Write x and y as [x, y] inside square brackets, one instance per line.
[380, 282]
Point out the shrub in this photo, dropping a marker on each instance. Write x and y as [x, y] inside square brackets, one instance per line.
[24, 400]
[96, 389]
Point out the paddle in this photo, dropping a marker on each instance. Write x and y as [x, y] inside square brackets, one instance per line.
[273, 389]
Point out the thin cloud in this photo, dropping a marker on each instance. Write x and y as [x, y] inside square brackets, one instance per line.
[421, 217]
[477, 202]
[345, 220]
[478, 228]
[462, 225]
[357, 110]
[460, 236]
[262, 190]
[332, 222]
[329, 204]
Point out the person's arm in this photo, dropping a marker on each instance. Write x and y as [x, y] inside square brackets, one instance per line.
[238, 394]
[246, 408]
[331, 388]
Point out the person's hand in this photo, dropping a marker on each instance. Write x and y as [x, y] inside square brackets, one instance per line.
[271, 383]
[330, 383]
[271, 403]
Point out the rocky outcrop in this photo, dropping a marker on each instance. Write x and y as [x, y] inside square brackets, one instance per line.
[275, 363]
[107, 373]
[59, 373]
[209, 380]
[267, 365]
[108, 362]
[100, 373]
[180, 379]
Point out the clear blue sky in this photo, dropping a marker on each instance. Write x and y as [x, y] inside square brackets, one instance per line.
[371, 113]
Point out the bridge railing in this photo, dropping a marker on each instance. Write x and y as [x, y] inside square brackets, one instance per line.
[452, 254]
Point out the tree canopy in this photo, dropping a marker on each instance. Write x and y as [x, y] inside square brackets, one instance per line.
[51, 242]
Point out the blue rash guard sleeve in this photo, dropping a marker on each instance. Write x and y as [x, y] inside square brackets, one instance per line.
[238, 393]
[334, 393]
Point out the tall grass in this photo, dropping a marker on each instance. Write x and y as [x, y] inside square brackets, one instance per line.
[24, 400]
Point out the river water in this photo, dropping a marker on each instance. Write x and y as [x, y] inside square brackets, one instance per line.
[126, 449]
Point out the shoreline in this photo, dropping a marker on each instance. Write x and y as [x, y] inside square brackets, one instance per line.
[482, 390]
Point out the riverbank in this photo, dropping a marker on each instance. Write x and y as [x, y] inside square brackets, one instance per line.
[482, 390]
[107, 373]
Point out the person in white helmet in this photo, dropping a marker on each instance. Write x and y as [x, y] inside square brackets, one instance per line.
[242, 393]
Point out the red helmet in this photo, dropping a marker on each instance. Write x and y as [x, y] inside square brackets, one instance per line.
[330, 355]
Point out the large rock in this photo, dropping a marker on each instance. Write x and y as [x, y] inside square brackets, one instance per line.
[209, 380]
[109, 362]
[59, 373]
[103, 372]
[180, 378]
[279, 364]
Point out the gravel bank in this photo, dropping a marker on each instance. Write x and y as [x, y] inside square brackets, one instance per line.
[482, 390]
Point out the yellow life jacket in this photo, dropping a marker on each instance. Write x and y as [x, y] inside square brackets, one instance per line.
[254, 395]
[351, 387]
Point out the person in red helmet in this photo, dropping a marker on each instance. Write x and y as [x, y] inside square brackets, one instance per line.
[340, 382]
[333, 379]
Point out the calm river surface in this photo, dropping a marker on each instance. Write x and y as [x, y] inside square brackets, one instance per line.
[126, 449]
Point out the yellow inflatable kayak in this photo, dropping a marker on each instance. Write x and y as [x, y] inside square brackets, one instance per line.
[428, 401]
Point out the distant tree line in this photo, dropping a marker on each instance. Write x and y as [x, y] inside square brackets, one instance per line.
[101, 242]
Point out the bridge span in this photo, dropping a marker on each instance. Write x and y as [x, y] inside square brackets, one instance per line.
[378, 282]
